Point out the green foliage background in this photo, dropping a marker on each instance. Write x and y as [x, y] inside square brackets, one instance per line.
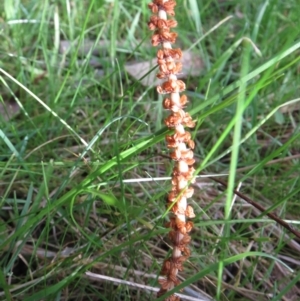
[83, 161]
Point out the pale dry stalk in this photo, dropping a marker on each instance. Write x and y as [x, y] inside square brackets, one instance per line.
[179, 142]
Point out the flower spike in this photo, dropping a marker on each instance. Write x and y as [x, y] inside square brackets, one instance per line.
[180, 143]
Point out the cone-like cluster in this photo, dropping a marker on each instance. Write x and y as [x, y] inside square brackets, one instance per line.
[180, 142]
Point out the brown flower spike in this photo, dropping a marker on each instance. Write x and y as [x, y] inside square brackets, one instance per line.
[180, 142]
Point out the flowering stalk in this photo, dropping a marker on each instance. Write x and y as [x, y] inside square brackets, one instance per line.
[179, 142]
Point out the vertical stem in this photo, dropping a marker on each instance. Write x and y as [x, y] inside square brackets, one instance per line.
[179, 143]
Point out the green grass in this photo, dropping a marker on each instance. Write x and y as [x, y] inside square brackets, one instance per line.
[83, 161]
